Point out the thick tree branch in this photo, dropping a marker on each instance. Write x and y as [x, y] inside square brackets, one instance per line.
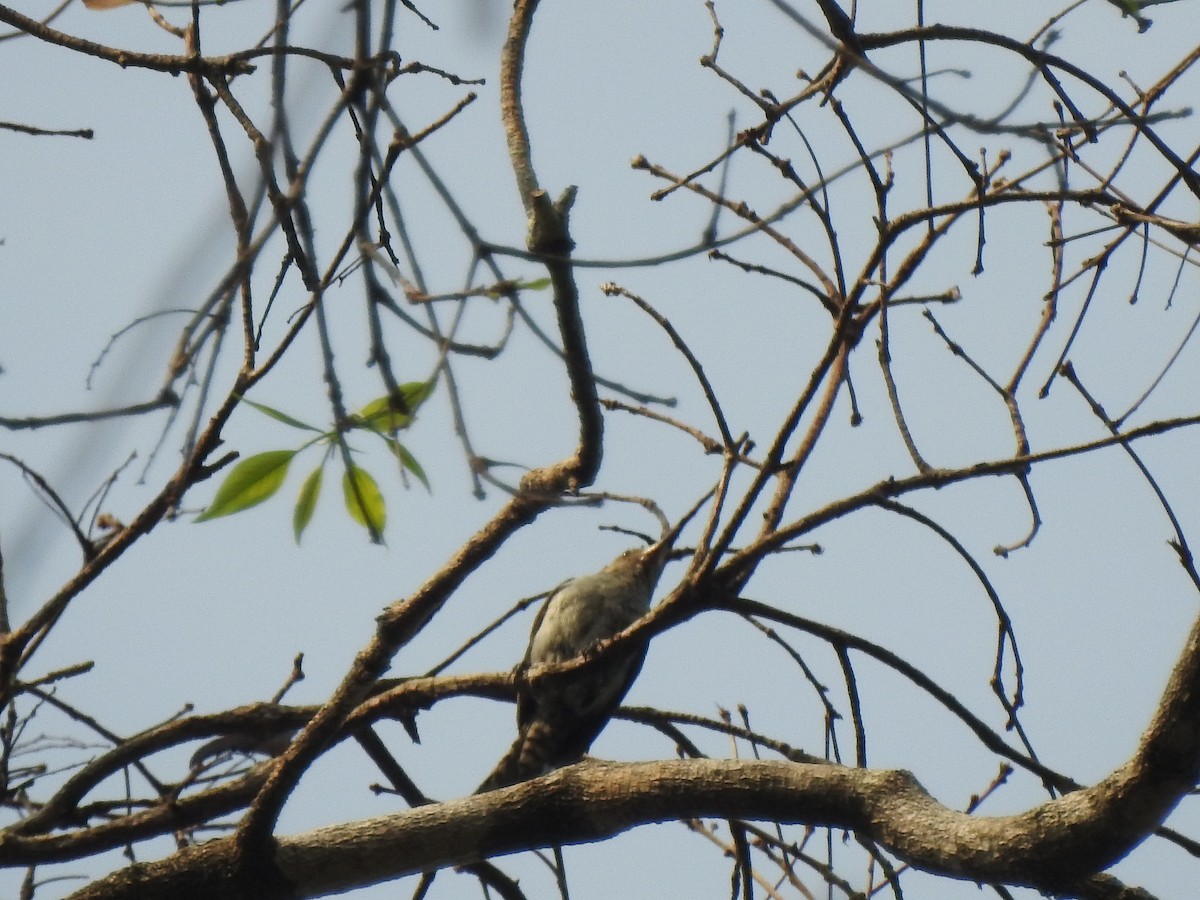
[1055, 847]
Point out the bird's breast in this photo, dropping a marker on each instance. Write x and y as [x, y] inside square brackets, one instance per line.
[584, 612]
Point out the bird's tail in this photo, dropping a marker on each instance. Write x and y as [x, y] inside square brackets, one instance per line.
[535, 752]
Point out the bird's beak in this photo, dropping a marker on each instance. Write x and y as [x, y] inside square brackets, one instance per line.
[662, 548]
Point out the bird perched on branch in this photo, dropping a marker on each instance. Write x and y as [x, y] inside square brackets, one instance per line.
[558, 719]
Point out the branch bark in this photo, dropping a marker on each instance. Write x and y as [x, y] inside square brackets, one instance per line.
[1056, 847]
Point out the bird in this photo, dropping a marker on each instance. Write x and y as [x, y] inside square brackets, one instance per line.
[557, 719]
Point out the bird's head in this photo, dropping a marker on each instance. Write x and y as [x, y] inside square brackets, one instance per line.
[648, 563]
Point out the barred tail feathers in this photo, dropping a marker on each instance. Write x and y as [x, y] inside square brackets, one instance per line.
[537, 750]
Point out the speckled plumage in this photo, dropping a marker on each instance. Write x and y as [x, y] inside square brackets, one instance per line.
[558, 720]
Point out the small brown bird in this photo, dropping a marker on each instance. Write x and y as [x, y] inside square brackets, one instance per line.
[558, 720]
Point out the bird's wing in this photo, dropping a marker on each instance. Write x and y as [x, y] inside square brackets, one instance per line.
[560, 730]
[525, 703]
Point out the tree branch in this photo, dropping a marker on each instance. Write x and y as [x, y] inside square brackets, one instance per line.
[1055, 847]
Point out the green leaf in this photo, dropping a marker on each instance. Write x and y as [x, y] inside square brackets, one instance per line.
[306, 502]
[375, 415]
[383, 416]
[282, 416]
[364, 501]
[410, 462]
[538, 284]
[416, 392]
[249, 483]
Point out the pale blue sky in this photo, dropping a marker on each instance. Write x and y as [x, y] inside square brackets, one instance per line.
[97, 233]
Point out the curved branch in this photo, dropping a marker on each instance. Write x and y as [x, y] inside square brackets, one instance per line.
[1044, 61]
[1056, 847]
[159, 62]
[549, 238]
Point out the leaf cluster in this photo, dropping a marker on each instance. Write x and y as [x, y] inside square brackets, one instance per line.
[257, 478]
